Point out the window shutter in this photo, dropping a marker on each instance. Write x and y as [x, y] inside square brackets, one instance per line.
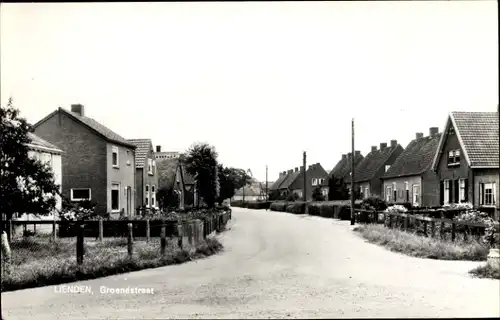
[466, 190]
[494, 193]
[481, 193]
[450, 191]
[441, 193]
[456, 190]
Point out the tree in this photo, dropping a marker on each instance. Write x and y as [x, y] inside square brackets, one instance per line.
[231, 179]
[317, 194]
[27, 185]
[201, 162]
[337, 189]
[167, 198]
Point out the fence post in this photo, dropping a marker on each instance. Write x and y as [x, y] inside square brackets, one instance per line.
[54, 235]
[465, 232]
[433, 228]
[101, 229]
[79, 244]
[180, 231]
[406, 222]
[34, 228]
[130, 238]
[425, 228]
[163, 238]
[453, 226]
[390, 220]
[9, 230]
[441, 230]
[148, 230]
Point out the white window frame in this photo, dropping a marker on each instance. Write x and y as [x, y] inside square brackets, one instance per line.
[114, 149]
[415, 196]
[407, 191]
[80, 199]
[446, 195]
[461, 188]
[115, 186]
[367, 192]
[394, 189]
[154, 166]
[492, 186]
[387, 167]
[315, 182]
[150, 166]
[148, 203]
[153, 196]
[388, 193]
[407, 185]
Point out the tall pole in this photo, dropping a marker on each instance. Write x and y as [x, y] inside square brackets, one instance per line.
[352, 176]
[267, 191]
[305, 177]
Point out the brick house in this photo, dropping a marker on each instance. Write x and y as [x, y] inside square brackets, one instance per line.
[342, 169]
[467, 161]
[369, 171]
[172, 176]
[291, 176]
[98, 164]
[275, 187]
[146, 177]
[316, 176]
[411, 179]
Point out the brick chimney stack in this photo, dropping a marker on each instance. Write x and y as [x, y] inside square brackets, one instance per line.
[383, 145]
[419, 135]
[394, 143]
[374, 148]
[433, 131]
[78, 109]
[158, 148]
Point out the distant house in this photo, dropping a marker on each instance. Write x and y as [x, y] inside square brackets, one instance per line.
[48, 153]
[285, 188]
[251, 192]
[411, 179]
[316, 176]
[166, 154]
[146, 177]
[342, 169]
[275, 187]
[172, 176]
[467, 161]
[97, 163]
[368, 173]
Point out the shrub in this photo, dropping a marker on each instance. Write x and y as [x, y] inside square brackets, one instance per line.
[258, 205]
[491, 235]
[374, 203]
[327, 210]
[314, 209]
[345, 212]
[292, 197]
[278, 206]
[297, 207]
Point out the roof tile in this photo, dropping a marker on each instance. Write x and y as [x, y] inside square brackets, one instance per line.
[370, 164]
[141, 153]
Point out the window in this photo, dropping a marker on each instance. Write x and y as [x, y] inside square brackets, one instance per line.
[147, 196]
[387, 166]
[487, 193]
[154, 166]
[446, 192]
[325, 192]
[416, 195]
[367, 192]
[453, 157]
[115, 197]
[394, 192]
[115, 160]
[80, 194]
[150, 166]
[314, 181]
[388, 193]
[407, 191]
[153, 197]
[461, 196]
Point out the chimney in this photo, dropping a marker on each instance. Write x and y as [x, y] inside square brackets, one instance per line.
[357, 153]
[296, 169]
[317, 164]
[290, 171]
[78, 109]
[419, 135]
[383, 145]
[301, 168]
[344, 156]
[374, 148]
[158, 148]
[394, 143]
[433, 131]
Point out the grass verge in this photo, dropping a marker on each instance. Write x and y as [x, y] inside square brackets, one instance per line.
[486, 271]
[417, 246]
[38, 263]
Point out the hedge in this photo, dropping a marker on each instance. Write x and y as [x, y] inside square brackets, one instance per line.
[327, 209]
[251, 205]
[296, 207]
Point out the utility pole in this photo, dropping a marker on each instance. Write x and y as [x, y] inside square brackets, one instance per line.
[305, 177]
[267, 191]
[352, 177]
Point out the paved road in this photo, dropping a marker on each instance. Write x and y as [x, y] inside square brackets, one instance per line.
[278, 265]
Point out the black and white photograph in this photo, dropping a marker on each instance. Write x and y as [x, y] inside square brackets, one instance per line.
[249, 160]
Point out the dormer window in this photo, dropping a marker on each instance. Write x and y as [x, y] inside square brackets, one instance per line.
[387, 166]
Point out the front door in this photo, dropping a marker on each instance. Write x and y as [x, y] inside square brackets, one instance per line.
[416, 195]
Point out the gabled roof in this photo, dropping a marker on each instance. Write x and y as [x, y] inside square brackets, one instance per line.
[342, 169]
[290, 178]
[92, 124]
[188, 178]
[416, 158]
[141, 153]
[39, 143]
[276, 185]
[477, 133]
[373, 161]
[167, 171]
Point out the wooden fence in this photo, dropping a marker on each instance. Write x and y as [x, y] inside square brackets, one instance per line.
[428, 224]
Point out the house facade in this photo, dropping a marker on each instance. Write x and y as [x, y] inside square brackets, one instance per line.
[315, 177]
[342, 169]
[368, 173]
[97, 164]
[467, 160]
[172, 177]
[275, 187]
[410, 179]
[146, 175]
[48, 153]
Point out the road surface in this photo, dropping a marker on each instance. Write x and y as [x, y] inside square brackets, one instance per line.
[277, 265]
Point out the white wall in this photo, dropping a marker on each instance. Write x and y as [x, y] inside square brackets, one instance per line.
[55, 162]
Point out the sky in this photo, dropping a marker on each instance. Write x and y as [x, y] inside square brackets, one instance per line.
[262, 82]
